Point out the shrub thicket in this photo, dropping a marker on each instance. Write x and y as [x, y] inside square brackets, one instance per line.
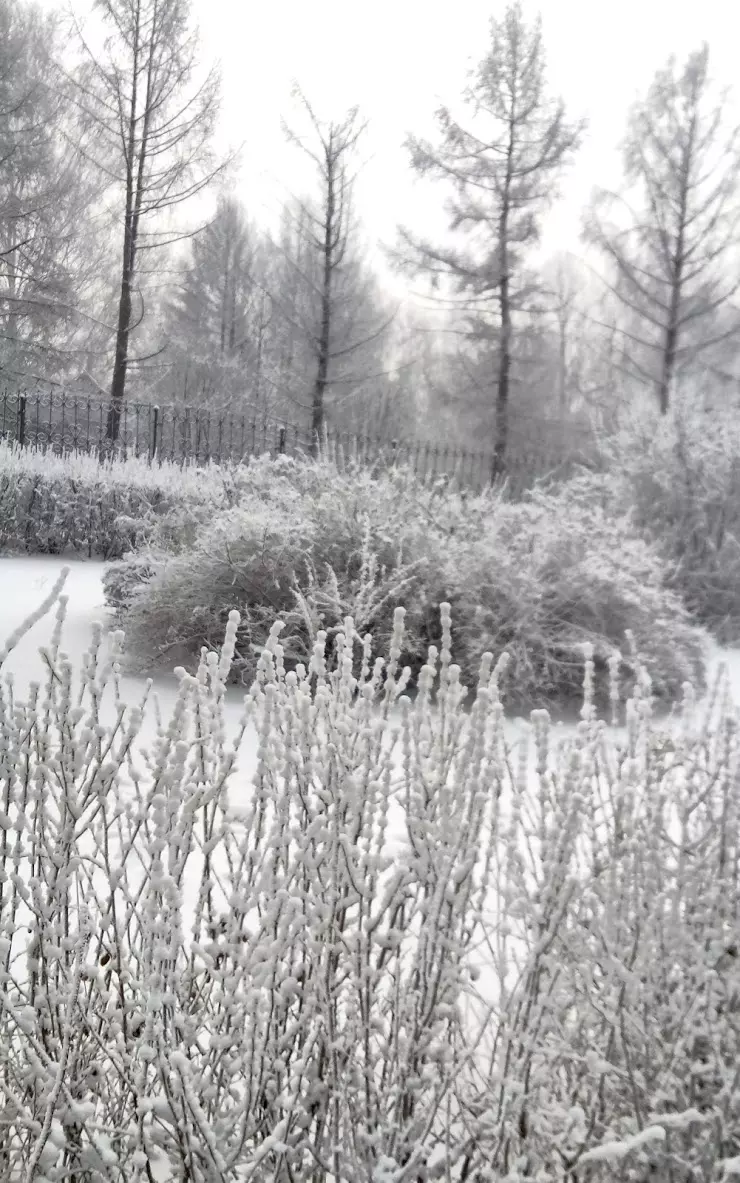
[561, 569]
[539, 578]
[680, 476]
[76, 505]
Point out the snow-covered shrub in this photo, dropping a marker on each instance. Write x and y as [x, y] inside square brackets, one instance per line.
[619, 1039]
[681, 476]
[361, 938]
[219, 974]
[538, 578]
[564, 567]
[74, 504]
[339, 504]
[306, 541]
[122, 579]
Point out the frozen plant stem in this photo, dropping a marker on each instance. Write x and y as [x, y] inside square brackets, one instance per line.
[375, 945]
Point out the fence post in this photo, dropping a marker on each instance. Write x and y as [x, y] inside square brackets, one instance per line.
[281, 442]
[21, 420]
[155, 425]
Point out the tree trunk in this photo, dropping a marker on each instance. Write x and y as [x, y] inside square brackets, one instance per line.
[563, 363]
[225, 302]
[257, 385]
[319, 390]
[670, 346]
[322, 368]
[123, 329]
[120, 364]
[668, 367]
[498, 467]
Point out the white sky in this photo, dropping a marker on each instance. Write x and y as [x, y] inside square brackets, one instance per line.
[398, 59]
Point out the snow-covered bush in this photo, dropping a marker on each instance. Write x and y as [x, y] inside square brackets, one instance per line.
[307, 541]
[538, 578]
[222, 974]
[618, 1042]
[361, 938]
[562, 568]
[74, 504]
[681, 477]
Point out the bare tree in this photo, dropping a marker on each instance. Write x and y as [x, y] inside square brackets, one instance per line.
[671, 239]
[503, 175]
[148, 121]
[341, 319]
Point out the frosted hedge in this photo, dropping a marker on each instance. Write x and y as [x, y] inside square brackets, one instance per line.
[78, 505]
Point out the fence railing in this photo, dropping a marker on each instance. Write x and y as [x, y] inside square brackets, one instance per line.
[69, 423]
[64, 423]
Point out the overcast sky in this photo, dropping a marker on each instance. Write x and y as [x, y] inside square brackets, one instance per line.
[398, 59]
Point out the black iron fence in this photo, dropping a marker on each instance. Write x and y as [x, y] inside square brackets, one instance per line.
[63, 423]
[68, 423]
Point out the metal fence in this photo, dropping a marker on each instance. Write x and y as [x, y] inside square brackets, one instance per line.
[63, 423]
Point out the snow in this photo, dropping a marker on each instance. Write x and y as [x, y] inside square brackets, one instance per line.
[614, 1151]
[678, 1121]
[24, 581]
[730, 659]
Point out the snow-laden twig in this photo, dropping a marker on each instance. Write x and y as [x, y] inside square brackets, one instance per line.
[616, 1151]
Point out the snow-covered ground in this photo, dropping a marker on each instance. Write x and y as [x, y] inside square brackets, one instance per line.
[25, 581]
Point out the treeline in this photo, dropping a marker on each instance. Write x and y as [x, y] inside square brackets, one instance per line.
[129, 265]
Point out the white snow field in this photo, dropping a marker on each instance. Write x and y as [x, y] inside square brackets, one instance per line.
[26, 580]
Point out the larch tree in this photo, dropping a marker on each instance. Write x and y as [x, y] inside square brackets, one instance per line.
[671, 237]
[502, 168]
[148, 118]
[340, 321]
[47, 241]
[220, 317]
[581, 318]
[293, 298]
[563, 283]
